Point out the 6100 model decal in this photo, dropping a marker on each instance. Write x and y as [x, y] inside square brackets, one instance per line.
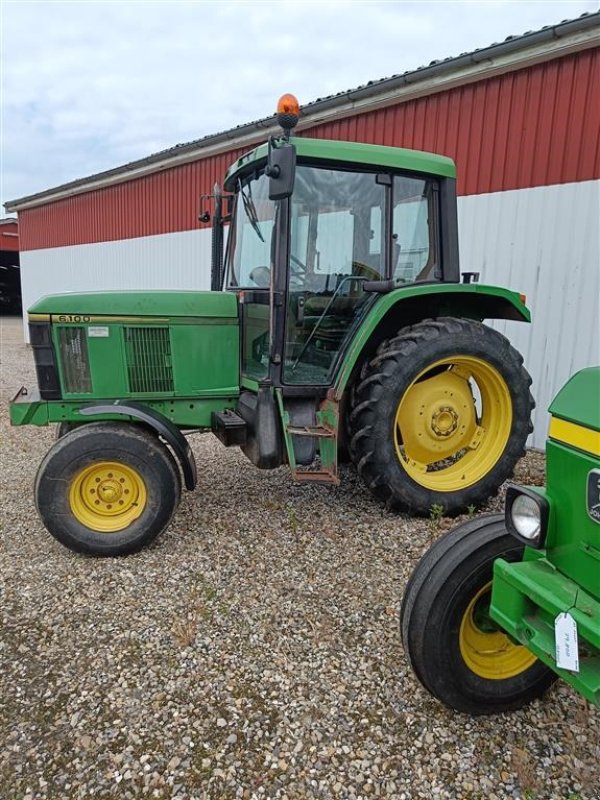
[72, 318]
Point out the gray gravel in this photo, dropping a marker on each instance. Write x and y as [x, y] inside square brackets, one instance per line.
[252, 652]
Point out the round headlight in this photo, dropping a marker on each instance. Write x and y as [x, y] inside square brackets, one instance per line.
[526, 517]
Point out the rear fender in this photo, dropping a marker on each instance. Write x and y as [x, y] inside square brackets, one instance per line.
[408, 305]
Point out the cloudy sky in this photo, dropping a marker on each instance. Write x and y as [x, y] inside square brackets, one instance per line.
[91, 84]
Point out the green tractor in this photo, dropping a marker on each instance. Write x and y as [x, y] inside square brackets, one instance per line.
[337, 326]
[502, 605]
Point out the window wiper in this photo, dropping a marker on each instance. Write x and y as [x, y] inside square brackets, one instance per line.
[250, 210]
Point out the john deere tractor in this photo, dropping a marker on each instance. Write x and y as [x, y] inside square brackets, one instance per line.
[338, 325]
[504, 604]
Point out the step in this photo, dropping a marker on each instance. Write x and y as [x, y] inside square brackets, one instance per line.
[315, 476]
[317, 431]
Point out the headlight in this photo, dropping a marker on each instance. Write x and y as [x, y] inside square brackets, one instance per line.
[526, 515]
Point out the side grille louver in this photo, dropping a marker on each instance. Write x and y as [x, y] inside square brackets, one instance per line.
[74, 360]
[148, 353]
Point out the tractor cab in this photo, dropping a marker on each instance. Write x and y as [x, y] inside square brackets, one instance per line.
[318, 231]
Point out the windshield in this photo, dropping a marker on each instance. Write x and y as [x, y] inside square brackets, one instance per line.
[248, 256]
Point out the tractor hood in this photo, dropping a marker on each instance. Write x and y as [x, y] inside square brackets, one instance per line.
[154, 304]
[578, 401]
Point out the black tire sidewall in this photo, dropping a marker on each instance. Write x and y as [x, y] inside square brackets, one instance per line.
[400, 369]
[443, 585]
[455, 606]
[117, 442]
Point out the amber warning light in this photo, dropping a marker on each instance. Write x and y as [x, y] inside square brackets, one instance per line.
[288, 112]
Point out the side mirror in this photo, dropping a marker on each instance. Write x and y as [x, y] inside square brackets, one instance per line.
[281, 171]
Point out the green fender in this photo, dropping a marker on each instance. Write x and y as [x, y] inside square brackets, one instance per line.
[422, 301]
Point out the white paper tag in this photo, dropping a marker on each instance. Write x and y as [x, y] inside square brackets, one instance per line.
[97, 331]
[565, 635]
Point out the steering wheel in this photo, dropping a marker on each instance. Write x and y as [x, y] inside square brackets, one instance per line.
[261, 277]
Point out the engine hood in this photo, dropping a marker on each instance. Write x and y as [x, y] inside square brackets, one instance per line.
[139, 304]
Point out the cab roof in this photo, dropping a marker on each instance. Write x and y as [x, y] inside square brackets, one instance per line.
[351, 153]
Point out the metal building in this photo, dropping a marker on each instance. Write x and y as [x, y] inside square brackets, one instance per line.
[10, 279]
[522, 121]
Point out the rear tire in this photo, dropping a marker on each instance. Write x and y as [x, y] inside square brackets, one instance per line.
[440, 416]
[456, 651]
[107, 488]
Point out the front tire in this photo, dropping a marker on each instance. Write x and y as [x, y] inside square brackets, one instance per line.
[107, 488]
[456, 650]
[440, 416]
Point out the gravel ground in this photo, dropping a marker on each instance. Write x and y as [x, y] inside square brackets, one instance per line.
[252, 652]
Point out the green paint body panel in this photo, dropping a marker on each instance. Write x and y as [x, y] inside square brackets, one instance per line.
[474, 300]
[151, 304]
[202, 361]
[565, 575]
[186, 413]
[579, 399]
[177, 352]
[526, 599]
[285, 421]
[573, 542]
[352, 153]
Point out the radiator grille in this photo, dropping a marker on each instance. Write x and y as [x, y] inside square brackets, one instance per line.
[148, 353]
[74, 360]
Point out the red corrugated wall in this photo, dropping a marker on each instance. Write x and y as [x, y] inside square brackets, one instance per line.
[532, 127]
[9, 236]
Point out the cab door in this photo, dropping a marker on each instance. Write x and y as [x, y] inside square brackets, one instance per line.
[250, 272]
[336, 245]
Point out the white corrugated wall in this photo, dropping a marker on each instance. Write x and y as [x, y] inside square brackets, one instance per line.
[169, 261]
[543, 241]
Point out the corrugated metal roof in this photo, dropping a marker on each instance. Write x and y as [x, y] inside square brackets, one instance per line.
[372, 89]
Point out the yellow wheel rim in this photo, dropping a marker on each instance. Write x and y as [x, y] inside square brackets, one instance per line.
[107, 496]
[453, 423]
[487, 651]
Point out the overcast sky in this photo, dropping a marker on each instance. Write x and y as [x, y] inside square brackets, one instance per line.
[88, 85]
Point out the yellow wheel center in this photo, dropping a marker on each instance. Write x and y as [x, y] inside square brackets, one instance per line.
[445, 421]
[486, 650]
[107, 496]
[453, 423]
[109, 491]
